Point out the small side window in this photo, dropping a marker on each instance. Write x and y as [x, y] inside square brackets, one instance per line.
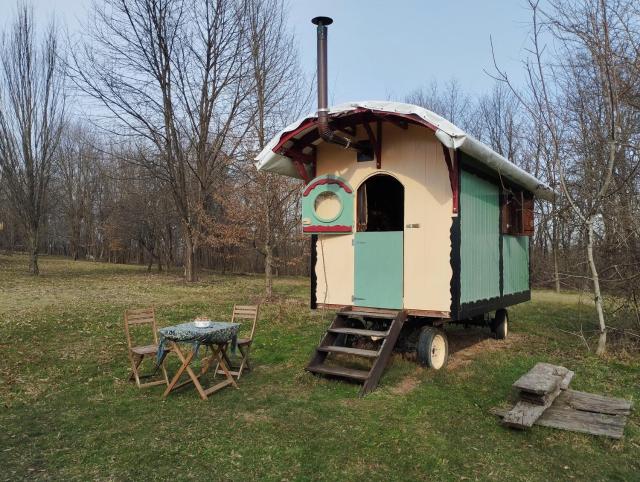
[517, 213]
[327, 206]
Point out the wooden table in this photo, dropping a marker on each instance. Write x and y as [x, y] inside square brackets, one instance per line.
[215, 337]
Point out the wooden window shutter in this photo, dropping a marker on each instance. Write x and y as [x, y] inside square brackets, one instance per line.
[527, 216]
[505, 206]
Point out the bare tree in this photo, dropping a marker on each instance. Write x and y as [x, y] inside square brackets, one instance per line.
[171, 74]
[277, 96]
[31, 118]
[449, 101]
[78, 172]
[593, 48]
[500, 124]
[583, 29]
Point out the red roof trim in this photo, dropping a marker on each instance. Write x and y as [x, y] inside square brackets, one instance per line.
[287, 136]
[327, 229]
[327, 180]
[312, 121]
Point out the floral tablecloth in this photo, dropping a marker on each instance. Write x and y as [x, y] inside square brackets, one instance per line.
[217, 332]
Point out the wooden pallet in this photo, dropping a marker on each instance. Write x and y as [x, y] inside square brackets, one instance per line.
[341, 328]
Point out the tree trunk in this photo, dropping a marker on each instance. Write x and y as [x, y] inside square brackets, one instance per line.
[268, 259]
[33, 252]
[602, 340]
[268, 270]
[75, 241]
[190, 272]
[556, 272]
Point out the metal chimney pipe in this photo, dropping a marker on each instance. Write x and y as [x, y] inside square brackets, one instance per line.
[323, 106]
[322, 23]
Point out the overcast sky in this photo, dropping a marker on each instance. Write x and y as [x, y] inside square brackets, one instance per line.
[383, 49]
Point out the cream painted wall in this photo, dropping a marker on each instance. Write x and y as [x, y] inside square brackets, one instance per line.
[414, 156]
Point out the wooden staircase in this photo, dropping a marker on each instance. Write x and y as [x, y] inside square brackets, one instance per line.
[342, 329]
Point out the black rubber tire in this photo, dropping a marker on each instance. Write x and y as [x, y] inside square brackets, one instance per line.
[424, 349]
[500, 324]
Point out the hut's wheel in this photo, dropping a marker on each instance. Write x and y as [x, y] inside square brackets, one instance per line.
[433, 348]
[500, 324]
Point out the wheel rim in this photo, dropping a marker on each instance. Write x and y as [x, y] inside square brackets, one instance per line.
[506, 326]
[438, 351]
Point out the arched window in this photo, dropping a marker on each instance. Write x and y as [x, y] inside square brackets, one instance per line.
[381, 204]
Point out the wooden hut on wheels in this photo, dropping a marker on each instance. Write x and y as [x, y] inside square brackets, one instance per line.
[413, 223]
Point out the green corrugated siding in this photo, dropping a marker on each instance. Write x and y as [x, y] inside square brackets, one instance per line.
[479, 239]
[515, 259]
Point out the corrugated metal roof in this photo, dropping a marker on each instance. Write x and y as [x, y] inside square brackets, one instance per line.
[449, 134]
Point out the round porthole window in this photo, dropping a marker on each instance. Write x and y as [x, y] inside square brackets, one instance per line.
[327, 206]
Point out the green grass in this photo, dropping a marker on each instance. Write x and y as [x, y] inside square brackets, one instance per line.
[67, 411]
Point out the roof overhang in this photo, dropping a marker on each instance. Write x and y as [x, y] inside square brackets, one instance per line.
[293, 149]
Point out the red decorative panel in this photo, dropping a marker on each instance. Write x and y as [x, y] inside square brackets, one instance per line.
[327, 229]
[325, 180]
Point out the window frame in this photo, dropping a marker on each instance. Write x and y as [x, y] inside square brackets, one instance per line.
[516, 213]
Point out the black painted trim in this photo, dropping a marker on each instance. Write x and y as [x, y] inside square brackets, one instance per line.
[313, 301]
[469, 310]
[455, 248]
[500, 244]
[530, 246]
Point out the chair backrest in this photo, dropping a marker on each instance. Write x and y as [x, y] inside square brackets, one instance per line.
[145, 316]
[246, 312]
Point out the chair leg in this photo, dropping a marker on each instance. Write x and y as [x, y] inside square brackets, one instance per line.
[221, 359]
[135, 364]
[244, 364]
[136, 361]
[164, 372]
[225, 355]
[215, 372]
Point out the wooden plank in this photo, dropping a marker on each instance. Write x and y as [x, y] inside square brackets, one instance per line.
[134, 313]
[524, 414]
[349, 351]
[359, 332]
[385, 353]
[328, 339]
[385, 315]
[140, 314]
[589, 402]
[217, 387]
[542, 379]
[428, 313]
[566, 418]
[339, 371]
[564, 384]
[543, 399]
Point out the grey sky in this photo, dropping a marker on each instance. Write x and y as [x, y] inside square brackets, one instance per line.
[381, 49]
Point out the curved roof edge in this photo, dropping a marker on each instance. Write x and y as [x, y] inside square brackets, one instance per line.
[446, 132]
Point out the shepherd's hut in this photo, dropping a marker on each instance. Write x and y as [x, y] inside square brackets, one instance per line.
[413, 224]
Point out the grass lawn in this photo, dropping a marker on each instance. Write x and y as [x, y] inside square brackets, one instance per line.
[68, 412]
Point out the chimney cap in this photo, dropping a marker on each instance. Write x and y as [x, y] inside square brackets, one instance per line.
[322, 20]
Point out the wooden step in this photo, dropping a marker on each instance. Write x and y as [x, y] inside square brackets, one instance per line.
[349, 351]
[358, 331]
[370, 314]
[361, 375]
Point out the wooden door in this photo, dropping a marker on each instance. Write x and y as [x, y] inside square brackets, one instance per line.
[379, 269]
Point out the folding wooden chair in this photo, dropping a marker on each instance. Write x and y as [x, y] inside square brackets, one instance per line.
[145, 316]
[241, 312]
